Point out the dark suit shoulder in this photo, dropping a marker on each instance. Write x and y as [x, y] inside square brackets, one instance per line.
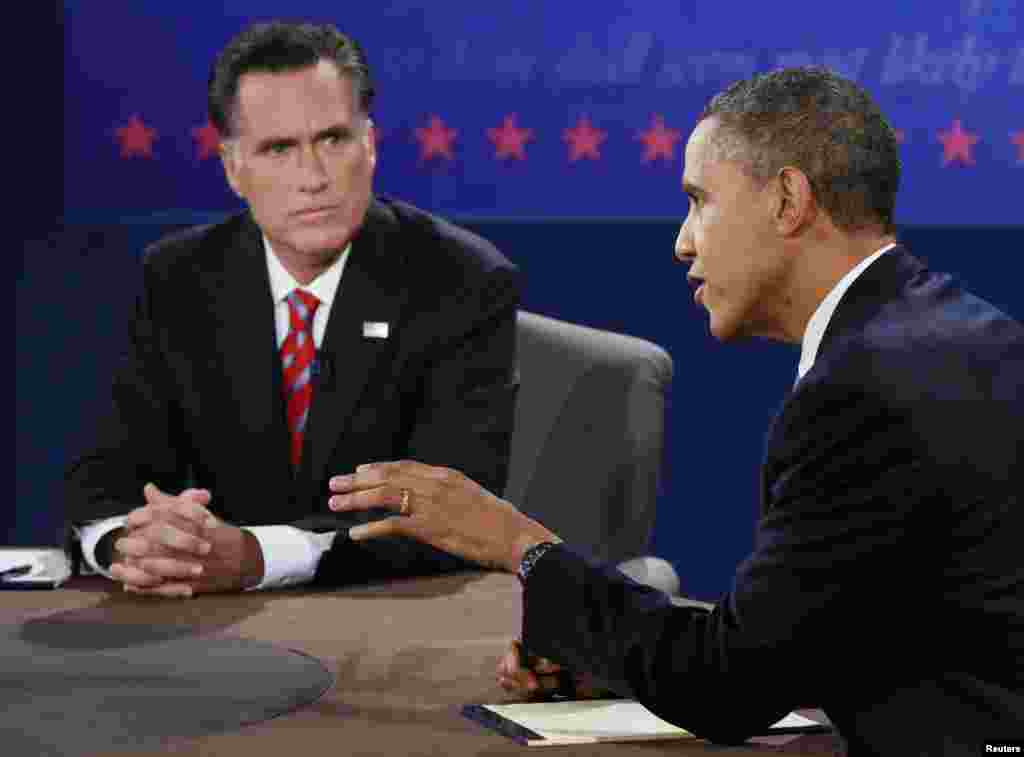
[933, 333]
[430, 241]
[945, 362]
[200, 249]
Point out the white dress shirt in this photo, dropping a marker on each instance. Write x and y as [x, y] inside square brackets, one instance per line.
[816, 326]
[290, 555]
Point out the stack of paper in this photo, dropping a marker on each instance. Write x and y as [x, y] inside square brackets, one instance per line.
[596, 720]
[47, 567]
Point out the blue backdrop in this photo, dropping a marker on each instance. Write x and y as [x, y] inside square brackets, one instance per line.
[557, 131]
[618, 66]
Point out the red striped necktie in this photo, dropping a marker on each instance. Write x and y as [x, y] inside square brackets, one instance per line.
[297, 355]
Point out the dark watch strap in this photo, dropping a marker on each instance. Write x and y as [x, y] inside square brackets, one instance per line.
[531, 556]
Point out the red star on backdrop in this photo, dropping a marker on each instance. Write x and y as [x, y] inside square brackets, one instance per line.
[436, 139]
[956, 145]
[207, 140]
[509, 140]
[1018, 139]
[583, 140]
[136, 139]
[901, 137]
[659, 142]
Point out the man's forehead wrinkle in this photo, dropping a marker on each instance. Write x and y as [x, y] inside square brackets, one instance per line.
[299, 126]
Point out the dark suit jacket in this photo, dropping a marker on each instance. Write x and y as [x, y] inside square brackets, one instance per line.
[886, 583]
[198, 397]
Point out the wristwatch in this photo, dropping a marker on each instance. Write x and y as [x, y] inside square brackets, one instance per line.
[530, 558]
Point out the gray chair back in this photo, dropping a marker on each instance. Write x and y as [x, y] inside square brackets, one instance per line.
[587, 447]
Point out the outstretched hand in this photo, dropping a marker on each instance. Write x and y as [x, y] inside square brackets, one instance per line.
[440, 507]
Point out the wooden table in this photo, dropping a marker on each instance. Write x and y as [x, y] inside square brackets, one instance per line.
[406, 656]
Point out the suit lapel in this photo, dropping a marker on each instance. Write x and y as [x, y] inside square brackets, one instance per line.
[878, 285]
[251, 362]
[372, 290]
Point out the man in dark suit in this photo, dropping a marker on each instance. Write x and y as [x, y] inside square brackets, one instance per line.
[319, 329]
[886, 583]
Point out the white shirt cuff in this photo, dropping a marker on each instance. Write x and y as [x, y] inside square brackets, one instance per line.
[290, 555]
[90, 535]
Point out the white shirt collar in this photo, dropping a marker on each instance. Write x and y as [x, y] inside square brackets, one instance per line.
[324, 286]
[816, 326]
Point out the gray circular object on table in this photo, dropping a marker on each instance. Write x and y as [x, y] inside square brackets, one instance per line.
[73, 688]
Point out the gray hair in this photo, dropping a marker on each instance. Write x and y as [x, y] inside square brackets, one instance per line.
[826, 126]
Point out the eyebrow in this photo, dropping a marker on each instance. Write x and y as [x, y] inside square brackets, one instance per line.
[336, 130]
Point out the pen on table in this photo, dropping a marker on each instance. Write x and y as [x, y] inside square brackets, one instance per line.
[17, 570]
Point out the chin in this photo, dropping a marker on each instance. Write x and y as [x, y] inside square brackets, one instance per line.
[723, 329]
[315, 241]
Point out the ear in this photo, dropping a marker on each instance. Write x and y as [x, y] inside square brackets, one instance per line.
[371, 142]
[796, 208]
[229, 159]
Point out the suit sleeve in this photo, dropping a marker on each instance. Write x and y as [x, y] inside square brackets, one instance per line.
[464, 422]
[826, 592]
[139, 438]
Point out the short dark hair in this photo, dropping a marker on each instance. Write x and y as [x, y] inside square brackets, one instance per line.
[278, 47]
[825, 125]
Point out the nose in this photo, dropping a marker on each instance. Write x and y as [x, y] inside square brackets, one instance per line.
[685, 252]
[312, 172]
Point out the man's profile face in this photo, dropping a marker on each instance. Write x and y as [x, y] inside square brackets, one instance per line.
[729, 236]
[303, 158]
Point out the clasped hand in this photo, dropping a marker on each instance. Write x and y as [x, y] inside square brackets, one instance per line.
[174, 546]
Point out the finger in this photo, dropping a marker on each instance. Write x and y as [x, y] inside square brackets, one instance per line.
[187, 507]
[200, 496]
[367, 499]
[519, 659]
[153, 493]
[192, 508]
[508, 664]
[514, 686]
[411, 468]
[546, 667]
[133, 546]
[139, 517]
[523, 683]
[140, 522]
[398, 474]
[130, 575]
[168, 535]
[379, 528]
[169, 567]
[163, 590]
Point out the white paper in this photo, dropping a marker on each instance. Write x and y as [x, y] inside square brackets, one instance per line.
[591, 721]
[47, 564]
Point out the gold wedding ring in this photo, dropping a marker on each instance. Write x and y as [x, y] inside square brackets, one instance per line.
[406, 496]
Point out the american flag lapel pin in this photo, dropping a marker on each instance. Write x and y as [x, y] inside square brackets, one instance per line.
[375, 329]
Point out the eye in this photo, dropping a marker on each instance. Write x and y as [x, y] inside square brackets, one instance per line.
[337, 137]
[277, 148]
